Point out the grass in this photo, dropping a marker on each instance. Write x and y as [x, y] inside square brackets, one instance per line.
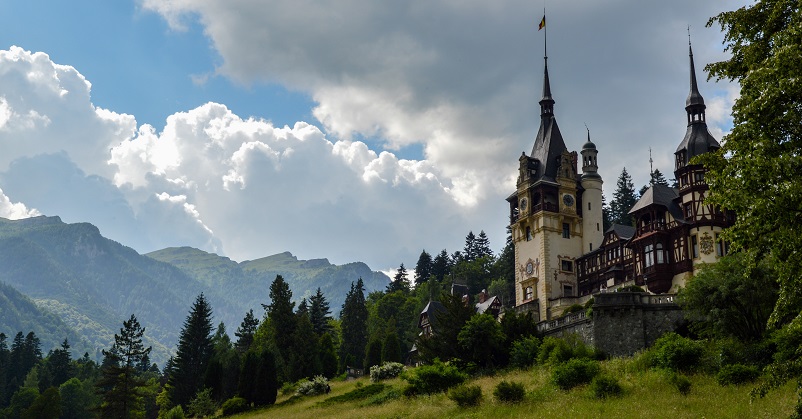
[646, 393]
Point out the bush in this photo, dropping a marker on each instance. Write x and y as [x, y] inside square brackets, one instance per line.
[174, 413]
[318, 385]
[430, 379]
[359, 393]
[202, 405]
[575, 372]
[556, 350]
[234, 405]
[676, 353]
[509, 392]
[737, 374]
[289, 388]
[466, 396]
[604, 386]
[681, 382]
[524, 352]
[385, 371]
[574, 308]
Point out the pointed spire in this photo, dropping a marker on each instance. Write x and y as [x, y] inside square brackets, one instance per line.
[694, 97]
[547, 102]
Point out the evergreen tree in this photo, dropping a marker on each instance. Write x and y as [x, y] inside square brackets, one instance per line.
[120, 384]
[657, 178]
[319, 313]
[624, 199]
[222, 373]
[440, 266]
[328, 356]
[483, 246]
[266, 380]
[5, 354]
[391, 347]
[446, 325]
[46, 406]
[281, 318]
[353, 318]
[195, 349]
[304, 361]
[59, 365]
[470, 252]
[400, 281]
[303, 307]
[424, 268]
[373, 354]
[607, 214]
[245, 332]
[247, 379]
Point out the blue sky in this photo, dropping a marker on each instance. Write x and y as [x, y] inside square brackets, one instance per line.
[354, 131]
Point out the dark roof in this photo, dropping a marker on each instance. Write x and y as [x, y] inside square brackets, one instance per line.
[622, 231]
[549, 144]
[694, 97]
[663, 196]
[431, 310]
[698, 140]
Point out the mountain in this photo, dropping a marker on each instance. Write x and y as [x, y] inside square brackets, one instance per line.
[19, 313]
[92, 283]
[248, 282]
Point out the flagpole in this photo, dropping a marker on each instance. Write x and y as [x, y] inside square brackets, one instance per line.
[545, 34]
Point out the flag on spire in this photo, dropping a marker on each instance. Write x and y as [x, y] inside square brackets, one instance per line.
[542, 23]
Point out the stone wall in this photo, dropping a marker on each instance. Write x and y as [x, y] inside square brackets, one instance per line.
[622, 322]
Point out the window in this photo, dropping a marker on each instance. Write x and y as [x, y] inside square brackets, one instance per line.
[688, 210]
[722, 247]
[588, 206]
[568, 291]
[591, 247]
[566, 231]
[660, 255]
[648, 255]
[699, 177]
[528, 233]
[694, 247]
[567, 265]
[529, 293]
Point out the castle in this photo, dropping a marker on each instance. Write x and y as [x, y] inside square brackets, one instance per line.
[562, 253]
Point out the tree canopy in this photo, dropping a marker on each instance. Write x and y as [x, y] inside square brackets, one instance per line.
[624, 198]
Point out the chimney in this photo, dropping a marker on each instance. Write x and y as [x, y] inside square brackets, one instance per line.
[482, 296]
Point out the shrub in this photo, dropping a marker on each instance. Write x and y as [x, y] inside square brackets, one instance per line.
[385, 371]
[681, 382]
[174, 413]
[574, 308]
[509, 392]
[676, 353]
[358, 394]
[737, 374]
[202, 405]
[575, 372]
[604, 386]
[466, 396]
[234, 405]
[318, 385]
[435, 378]
[385, 396]
[556, 350]
[524, 352]
[288, 388]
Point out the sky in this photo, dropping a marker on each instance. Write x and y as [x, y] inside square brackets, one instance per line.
[353, 130]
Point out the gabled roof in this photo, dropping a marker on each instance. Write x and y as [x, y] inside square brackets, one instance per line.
[623, 232]
[661, 195]
[483, 307]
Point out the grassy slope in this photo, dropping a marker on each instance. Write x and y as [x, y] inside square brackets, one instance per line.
[647, 395]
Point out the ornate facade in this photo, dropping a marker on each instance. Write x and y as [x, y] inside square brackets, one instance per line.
[561, 251]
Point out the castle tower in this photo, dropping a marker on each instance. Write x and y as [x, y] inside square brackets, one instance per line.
[546, 216]
[592, 217]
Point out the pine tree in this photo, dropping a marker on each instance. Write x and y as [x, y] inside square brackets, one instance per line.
[483, 246]
[440, 266]
[195, 349]
[304, 361]
[423, 268]
[245, 332]
[470, 251]
[319, 313]
[624, 199]
[353, 320]
[373, 354]
[266, 379]
[607, 216]
[400, 281]
[328, 356]
[657, 178]
[5, 355]
[280, 315]
[391, 348]
[120, 385]
[303, 307]
[59, 365]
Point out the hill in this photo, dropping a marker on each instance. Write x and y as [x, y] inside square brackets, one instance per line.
[247, 282]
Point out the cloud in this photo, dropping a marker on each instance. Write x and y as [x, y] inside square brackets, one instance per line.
[14, 211]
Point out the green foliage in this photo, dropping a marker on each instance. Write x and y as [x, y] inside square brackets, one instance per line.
[234, 405]
[680, 382]
[317, 385]
[400, 281]
[482, 341]
[304, 360]
[174, 413]
[22, 399]
[624, 198]
[328, 356]
[575, 372]
[435, 378]
[353, 318]
[385, 371]
[359, 393]
[391, 349]
[46, 406]
[574, 308]
[556, 350]
[524, 352]
[423, 269]
[605, 386]
[509, 392]
[443, 344]
[202, 404]
[737, 374]
[76, 399]
[466, 395]
[246, 331]
[674, 352]
[373, 354]
[121, 386]
[731, 298]
[195, 350]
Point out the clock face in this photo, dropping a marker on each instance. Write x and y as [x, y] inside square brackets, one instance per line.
[568, 200]
[529, 268]
[523, 204]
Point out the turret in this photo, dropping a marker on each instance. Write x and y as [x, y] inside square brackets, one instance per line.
[592, 217]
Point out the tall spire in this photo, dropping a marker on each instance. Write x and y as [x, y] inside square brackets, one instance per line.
[694, 97]
[547, 102]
